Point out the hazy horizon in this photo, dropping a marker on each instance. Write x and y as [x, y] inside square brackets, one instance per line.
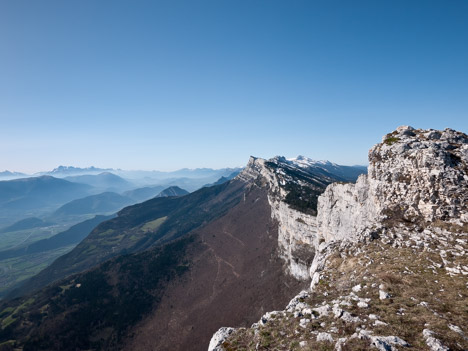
[166, 85]
[154, 170]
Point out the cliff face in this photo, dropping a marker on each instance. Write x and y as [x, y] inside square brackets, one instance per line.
[297, 235]
[416, 177]
[390, 263]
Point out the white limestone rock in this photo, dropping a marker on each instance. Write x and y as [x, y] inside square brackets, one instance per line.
[414, 176]
[324, 337]
[362, 304]
[383, 295]
[297, 303]
[216, 342]
[433, 343]
[387, 343]
[270, 316]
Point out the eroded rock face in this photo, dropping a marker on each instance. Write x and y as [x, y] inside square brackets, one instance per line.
[415, 176]
[421, 175]
[345, 209]
[297, 235]
[297, 238]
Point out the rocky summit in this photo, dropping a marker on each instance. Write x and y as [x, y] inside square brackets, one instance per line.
[387, 257]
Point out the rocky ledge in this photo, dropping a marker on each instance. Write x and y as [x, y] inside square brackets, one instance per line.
[390, 269]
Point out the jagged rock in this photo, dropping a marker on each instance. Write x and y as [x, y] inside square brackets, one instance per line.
[456, 329]
[433, 343]
[339, 343]
[383, 295]
[297, 303]
[382, 343]
[414, 176]
[269, 316]
[218, 338]
[362, 304]
[387, 343]
[377, 323]
[324, 337]
[323, 310]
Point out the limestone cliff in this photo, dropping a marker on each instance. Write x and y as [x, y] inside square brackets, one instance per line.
[415, 177]
[293, 190]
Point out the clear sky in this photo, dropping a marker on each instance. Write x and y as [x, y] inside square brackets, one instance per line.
[171, 84]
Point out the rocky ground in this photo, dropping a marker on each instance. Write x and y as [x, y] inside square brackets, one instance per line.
[392, 293]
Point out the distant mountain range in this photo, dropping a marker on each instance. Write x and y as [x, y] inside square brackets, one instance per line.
[104, 181]
[43, 191]
[108, 202]
[7, 175]
[62, 171]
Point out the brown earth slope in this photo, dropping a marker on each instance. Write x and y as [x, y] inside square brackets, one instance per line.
[235, 277]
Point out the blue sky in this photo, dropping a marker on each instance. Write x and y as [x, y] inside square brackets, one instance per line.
[172, 84]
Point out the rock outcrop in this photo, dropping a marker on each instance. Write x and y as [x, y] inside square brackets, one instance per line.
[415, 177]
[390, 254]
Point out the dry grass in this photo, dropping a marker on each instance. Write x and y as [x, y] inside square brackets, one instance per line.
[421, 297]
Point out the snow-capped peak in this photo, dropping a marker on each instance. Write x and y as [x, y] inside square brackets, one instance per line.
[304, 161]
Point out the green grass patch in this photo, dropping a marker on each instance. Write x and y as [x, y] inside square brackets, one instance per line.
[391, 140]
[107, 232]
[153, 225]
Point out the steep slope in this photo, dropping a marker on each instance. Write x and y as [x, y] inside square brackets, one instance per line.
[235, 263]
[390, 269]
[222, 247]
[138, 227]
[94, 204]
